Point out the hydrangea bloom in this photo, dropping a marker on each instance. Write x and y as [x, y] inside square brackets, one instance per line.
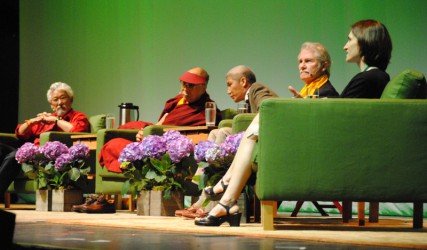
[27, 153]
[179, 148]
[213, 153]
[230, 145]
[132, 152]
[62, 161]
[53, 149]
[200, 150]
[171, 135]
[153, 146]
[79, 151]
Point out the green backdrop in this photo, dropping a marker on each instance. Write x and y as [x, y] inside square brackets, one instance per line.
[113, 51]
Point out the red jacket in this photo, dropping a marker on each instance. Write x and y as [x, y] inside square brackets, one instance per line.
[78, 119]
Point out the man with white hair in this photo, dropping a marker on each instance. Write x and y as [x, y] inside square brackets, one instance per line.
[64, 118]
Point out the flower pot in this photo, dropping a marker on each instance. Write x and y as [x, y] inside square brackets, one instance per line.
[152, 203]
[43, 200]
[64, 199]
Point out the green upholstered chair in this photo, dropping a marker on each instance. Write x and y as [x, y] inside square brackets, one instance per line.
[408, 84]
[343, 149]
[24, 185]
[107, 182]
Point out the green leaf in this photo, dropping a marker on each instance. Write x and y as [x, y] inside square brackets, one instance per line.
[151, 175]
[49, 166]
[167, 194]
[74, 174]
[160, 178]
[42, 182]
[125, 165]
[125, 187]
[85, 171]
[27, 167]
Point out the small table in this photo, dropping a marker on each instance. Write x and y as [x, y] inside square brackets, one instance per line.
[88, 139]
[195, 133]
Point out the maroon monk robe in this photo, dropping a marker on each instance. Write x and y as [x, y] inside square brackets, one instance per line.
[192, 114]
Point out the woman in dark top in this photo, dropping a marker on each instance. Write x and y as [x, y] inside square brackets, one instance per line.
[369, 46]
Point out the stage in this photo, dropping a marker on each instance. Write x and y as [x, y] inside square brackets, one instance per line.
[390, 232]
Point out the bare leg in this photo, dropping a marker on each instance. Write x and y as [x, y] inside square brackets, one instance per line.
[239, 171]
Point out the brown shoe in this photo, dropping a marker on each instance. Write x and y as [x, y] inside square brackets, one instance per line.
[101, 205]
[89, 200]
[190, 209]
[199, 213]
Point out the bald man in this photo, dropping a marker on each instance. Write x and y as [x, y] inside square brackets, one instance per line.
[242, 86]
[185, 109]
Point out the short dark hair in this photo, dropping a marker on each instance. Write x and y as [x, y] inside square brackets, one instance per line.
[250, 76]
[374, 42]
[242, 71]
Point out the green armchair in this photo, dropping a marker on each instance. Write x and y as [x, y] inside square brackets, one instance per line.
[345, 149]
[342, 149]
[24, 185]
[107, 182]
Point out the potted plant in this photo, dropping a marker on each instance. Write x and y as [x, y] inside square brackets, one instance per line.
[215, 159]
[158, 164]
[54, 166]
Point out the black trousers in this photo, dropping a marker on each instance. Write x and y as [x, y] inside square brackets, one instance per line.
[9, 167]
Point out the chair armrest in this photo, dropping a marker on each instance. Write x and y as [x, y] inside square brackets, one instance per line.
[10, 139]
[241, 122]
[64, 137]
[156, 129]
[225, 123]
[104, 135]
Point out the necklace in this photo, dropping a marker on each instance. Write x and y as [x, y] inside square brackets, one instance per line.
[369, 68]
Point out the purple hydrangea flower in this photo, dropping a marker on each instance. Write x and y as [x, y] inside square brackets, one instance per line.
[200, 150]
[179, 148]
[62, 161]
[79, 151]
[153, 146]
[53, 150]
[231, 144]
[171, 135]
[213, 153]
[132, 152]
[27, 153]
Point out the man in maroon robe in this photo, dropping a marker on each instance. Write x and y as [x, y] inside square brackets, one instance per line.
[185, 109]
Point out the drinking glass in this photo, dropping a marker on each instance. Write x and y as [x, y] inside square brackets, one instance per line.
[210, 113]
[242, 107]
[110, 120]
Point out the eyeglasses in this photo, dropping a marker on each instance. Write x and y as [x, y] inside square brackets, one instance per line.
[188, 85]
[61, 98]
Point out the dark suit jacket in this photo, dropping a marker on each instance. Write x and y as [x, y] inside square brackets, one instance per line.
[327, 90]
[257, 93]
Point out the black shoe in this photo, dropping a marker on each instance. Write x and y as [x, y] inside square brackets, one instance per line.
[210, 220]
[211, 195]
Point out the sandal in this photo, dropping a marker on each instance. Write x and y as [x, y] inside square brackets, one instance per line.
[211, 220]
[211, 195]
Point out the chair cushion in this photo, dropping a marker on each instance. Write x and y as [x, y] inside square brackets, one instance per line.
[409, 84]
[228, 113]
[97, 122]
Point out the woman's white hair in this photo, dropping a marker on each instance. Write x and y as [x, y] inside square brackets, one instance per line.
[59, 86]
[321, 52]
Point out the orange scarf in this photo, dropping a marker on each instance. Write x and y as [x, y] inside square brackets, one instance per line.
[182, 101]
[310, 88]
